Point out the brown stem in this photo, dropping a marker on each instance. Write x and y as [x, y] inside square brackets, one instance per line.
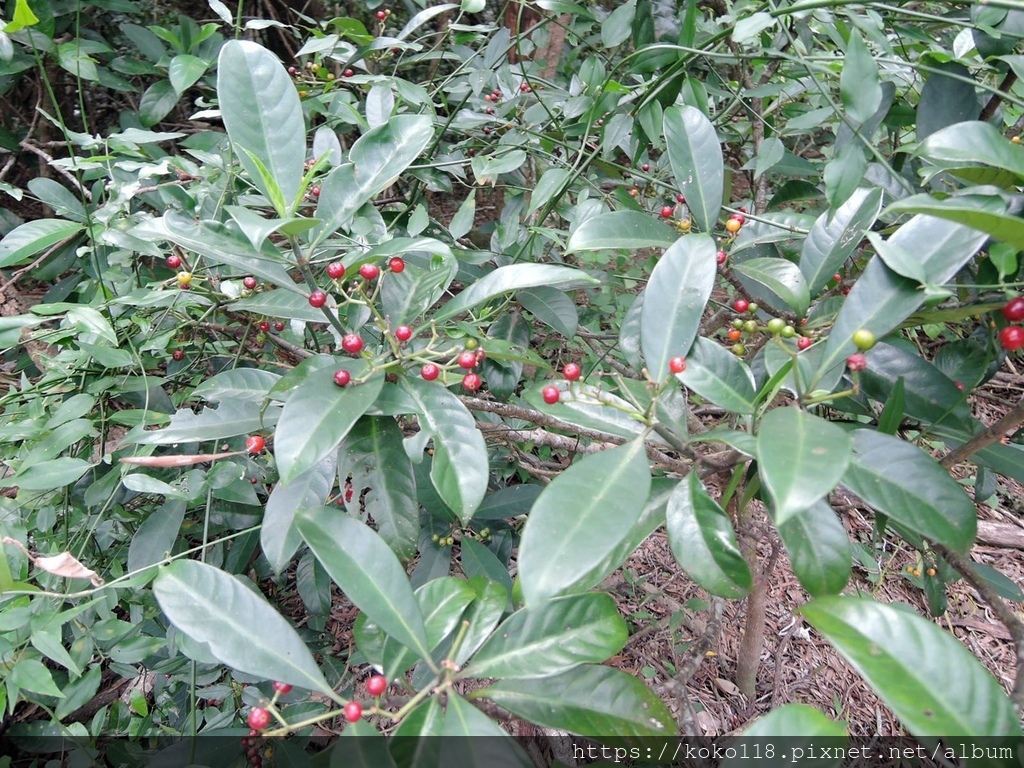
[1013, 419]
[997, 98]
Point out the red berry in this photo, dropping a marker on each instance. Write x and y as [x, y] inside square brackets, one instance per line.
[255, 444]
[857, 361]
[353, 711]
[837, 277]
[550, 393]
[403, 333]
[572, 371]
[258, 718]
[1014, 309]
[352, 343]
[174, 261]
[645, 167]
[264, 326]
[741, 305]
[1012, 338]
[177, 355]
[342, 377]
[315, 191]
[667, 211]
[525, 87]
[376, 685]
[680, 198]
[249, 282]
[677, 364]
[720, 257]
[396, 264]
[959, 385]
[278, 326]
[804, 342]
[467, 359]
[335, 270]
[429, 372]
[471, 382]
[282, 688]
[348, 73]
[317, 299]
[369, 271]
[739, 217]
[380, 15]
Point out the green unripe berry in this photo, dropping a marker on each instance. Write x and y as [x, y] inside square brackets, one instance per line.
[788, 332]
[752, 308]
[775, 325]
[739, 350]
[737, 324]
[864, 339]
[750, 326]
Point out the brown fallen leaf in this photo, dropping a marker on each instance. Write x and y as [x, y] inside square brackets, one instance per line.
[65, 564]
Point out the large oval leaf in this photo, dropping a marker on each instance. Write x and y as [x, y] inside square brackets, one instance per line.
[494, 748]
[459, 471]
[703, 541]
[551, 638]
[803, 730]
[238, 626]
[28, 239]
[261, 111]
[367, 571]
[318, 414]
[835, 235]
[674, 301]
[597, 701]
[580, 518]
[228, 419]
[513, 278]
[279, 537]
[716, 374]
[697, 163]
[818, 548]
[934, 685]
[801, 458]
[899, 479]
[780, 277]
[627, 230]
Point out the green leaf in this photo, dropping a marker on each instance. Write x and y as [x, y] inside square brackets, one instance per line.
[616, 29]
[361, 746]
[32, 675]
[483, 616]
[374, 457]
[228, 419]
[913, 666]
[156, 535]
[899, 479]
[407, 295]
[487, 168]
[580, 518]
[548, 186]
[238, 626]
[492, 747]
[513, 278]
[973, 143]
[478, 560]
[697, 164]
[23, 17]
[48, 475]
[716, 374]
[781, 277]
[971, 210]
[818, 548]
[858, 84]
[844, 173]
[801, 458]
[584, 405]
[749, 28]
[376, 160]
[460, 469]
[318, 414]
[442, 602]
[596, 701]
[552, 637]
[261, 111]
[703, 541]
[362, 564]
[184, 70]
[157, 102]
[628, 230]
[674, 301]
[803, 729]
[250, 384]
[279, 537]
[891, 418]
[28, 239]
[945, 101]
[552, 307]
[835, 236]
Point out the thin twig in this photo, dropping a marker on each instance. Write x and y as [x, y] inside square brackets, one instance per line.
[1013, 419]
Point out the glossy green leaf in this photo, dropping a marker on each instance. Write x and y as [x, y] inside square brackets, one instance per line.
[717, 375]
[250, 384]
[482, 617]
[585, 405]
[844, 173]
[376, 160]
[156, 103]
[407, 295]
[703, 541]
[184, 70]
[899, 479]
[319, 414]
[674, 301]
[818, 548]
[362, 564]
[625, 230]
[697, 163]
[285, 305]
[891, 417]
[30, 238]
[552, 307]
[442, 602]
[478, 560]
[514, 277]
[279, 538]
[803, 731]
[971, 210]
[835, 236]
[238, 626]
[801, 458]
[491, 747]
[597, 701]
[460, 469]
[228, 419]
[858, 85]
[973, 143]
[22, 17]
[914, 666]
[552, 637]
[361, 746]
[580, 518]
[32, 675]
[948, 97]
[261, 111]
[508, 502]
[154, 538]
[487, 168]
[781, 277]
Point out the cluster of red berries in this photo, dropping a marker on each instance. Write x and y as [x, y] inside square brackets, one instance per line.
[1011, 338]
